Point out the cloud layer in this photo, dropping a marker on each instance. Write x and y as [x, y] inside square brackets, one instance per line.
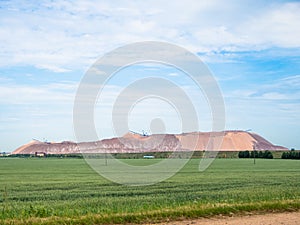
[252, 48]
[63, 35]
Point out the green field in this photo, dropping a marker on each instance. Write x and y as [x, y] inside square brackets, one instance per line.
[67, 191]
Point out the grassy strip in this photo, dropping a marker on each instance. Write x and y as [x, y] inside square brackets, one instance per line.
[179, 213]
[66, 191]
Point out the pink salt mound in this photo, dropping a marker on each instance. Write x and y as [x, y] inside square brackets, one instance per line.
[133, 142]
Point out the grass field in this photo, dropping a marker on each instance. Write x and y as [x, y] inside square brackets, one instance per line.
[67, 191]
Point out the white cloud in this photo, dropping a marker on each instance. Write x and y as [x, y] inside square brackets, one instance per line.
[173, 74]
[286, 88]
[65, 35]
[293, 81]
[62, 93]
[54, 68]
[274, 96]
[277, 26]
[40, 111]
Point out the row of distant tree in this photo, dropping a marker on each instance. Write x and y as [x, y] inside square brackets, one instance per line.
[46, 156]
[256, 154]
[291, 154]
[268, 155]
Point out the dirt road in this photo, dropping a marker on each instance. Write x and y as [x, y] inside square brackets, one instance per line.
[286, 218]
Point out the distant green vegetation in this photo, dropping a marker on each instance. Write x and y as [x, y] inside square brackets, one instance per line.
[79, 156]
[68, 191]
[256, 154]
[196, 154]
[291, 154]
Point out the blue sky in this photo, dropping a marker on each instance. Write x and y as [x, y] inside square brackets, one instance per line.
[252, 48]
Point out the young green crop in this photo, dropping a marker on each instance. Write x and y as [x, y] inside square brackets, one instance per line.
[51, 191]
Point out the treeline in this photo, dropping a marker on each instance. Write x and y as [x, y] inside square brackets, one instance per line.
[291, 155]
[256, 154]
[45, 156]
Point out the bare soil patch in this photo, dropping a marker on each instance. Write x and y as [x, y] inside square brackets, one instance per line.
[285, 218]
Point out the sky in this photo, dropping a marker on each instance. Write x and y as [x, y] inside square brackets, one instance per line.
[251, 47]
